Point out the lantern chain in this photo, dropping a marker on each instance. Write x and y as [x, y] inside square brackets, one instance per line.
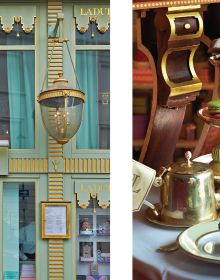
[74, 69]
[50, 58]
[45, 77]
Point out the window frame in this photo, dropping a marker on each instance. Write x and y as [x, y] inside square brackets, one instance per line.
[40, 53]
[104, 153]
[23, 179]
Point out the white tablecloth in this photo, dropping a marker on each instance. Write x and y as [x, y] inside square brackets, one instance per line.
[155, 265]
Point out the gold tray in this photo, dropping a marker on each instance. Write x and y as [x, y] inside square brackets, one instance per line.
[202, 241]
[153, 218]
[208, 118]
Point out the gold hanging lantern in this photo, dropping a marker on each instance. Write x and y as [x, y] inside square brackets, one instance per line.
[61, 110]
[61, 106]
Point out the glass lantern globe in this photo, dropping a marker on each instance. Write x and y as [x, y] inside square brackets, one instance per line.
[61, 110]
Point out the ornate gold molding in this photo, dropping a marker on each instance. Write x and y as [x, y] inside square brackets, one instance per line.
[193, 85]
[70, 165]
[24, 165]
[162, 4]
[173, 16]
[87, 165]
[66, 93]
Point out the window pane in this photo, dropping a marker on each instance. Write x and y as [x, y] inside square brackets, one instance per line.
[93, 242]
[93, 69]
[17, 98]
[16, 37]
[19, 231]
[93, 36]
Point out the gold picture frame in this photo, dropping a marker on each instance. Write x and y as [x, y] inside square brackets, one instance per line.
[55, 219]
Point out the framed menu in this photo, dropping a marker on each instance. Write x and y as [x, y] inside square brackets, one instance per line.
[55, 219]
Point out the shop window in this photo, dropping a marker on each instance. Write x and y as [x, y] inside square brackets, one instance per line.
[19, 231]
[93, 68]
[93, 242]
[17, 88]
[92, 47]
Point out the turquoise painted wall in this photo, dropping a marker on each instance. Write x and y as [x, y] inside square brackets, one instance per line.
[40, 150]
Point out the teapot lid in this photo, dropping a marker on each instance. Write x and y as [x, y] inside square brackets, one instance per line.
[188, 167]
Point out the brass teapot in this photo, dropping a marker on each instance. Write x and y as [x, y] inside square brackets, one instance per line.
[187, 193]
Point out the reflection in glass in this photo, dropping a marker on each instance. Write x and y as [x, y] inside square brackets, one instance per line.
[93, 250]
[93, 68]
[19, 231]
[17, 98]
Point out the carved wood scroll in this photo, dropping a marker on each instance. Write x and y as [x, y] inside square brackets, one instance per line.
[178, 39]
[178, 32]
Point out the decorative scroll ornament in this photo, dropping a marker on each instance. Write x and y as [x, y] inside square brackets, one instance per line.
[86, 14]
[87, 190]
[10, 16]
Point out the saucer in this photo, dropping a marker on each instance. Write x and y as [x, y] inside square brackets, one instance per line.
[202, 241]
[153, 218]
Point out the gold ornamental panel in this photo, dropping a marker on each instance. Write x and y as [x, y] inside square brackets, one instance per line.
[61, 93]
[192, 85]
[173, 16]
[70, 165]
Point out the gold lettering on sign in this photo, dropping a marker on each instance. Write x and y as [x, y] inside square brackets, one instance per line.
[94, 11]
[82, 12]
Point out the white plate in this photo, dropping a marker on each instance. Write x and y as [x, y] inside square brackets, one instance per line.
[202, 241]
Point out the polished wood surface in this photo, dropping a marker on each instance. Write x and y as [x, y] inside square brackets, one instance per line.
[168, 114]
[140, 35]
[164, 136]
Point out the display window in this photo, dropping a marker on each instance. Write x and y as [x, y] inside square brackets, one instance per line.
[19, 246]
[92, 52]
[17, 88]
[93, 242]
[94, 72]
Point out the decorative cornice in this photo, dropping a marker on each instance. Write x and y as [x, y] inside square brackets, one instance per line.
[86, 14]
[12, 15]
[86, 190]
[87, 165]
[162, 4]
[69, 165]
[25, 165]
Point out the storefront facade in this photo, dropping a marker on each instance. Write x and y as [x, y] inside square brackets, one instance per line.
[34, 167]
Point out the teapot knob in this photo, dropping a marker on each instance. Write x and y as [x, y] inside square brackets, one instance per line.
[188, 156]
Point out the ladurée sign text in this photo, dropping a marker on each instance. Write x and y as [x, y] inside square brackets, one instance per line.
[95, 11]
